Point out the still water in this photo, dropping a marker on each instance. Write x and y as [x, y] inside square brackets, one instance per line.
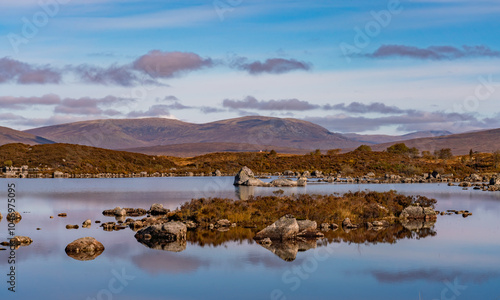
[461, 261]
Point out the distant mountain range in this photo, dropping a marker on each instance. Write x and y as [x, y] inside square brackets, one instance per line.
[135, 133]
[159, 136]
[380, 138]
[460, 144]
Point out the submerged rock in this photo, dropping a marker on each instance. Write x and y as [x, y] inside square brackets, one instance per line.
[21, 241]
[87, 248]
[14, 217]
[87, 223]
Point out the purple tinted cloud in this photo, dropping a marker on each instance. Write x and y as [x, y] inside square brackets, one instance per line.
[433, 52]
[357, 107]
[158, 64]
[113, 75]
[251, 103]
[89, 106]
[23, 102]
[22, 73]
[272, 66]
[153, 111]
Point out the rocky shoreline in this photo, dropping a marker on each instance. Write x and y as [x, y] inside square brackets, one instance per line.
[291, 178]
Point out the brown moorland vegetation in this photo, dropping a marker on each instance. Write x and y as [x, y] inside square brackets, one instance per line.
[261, 211]
[76, 159]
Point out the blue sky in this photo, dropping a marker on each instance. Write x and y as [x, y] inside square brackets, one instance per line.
[351, 66]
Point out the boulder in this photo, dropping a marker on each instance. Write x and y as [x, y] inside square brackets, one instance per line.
[243, 175]
[1, 216]
[495, 181]
[87, 223]
[307, 224]
[72, 226]
[348, 224]
[224, 223]
[418, 213]
[190, 224]
[118, 211]
[306, 174]
[380, 223]
[302, 181]
[14, 217]
[158, 209]
[475, 177]
[167, 232]
[87, 248]
[310, 234]
[218, 173]
[284, 229]
[283, 182]
[255, 182]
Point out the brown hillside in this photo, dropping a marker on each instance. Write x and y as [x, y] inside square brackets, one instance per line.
[8, 136]
[135, 133]
[460, 144]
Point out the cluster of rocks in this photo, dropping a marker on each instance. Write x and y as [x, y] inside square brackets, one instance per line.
[464, 213]
[246, 177]
[38, 173]
[16, 242]
[118, 211]
[484, 183]
[288, 228]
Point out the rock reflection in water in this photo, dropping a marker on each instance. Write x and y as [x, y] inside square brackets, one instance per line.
[287, 250]
[158, 244]
[244, 192]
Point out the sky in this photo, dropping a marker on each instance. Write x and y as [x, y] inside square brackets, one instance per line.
[363, 66]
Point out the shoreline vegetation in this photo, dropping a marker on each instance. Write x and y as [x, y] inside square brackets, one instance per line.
[397, 163]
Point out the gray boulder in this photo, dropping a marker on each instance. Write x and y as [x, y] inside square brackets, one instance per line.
[348, 224]
[307, 224]
[418, 213]
[243, 175]
[284, 229]
[158, 209]
[283, 182]
[168, 232]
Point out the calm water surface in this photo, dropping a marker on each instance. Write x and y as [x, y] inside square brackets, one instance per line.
[462, 261]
